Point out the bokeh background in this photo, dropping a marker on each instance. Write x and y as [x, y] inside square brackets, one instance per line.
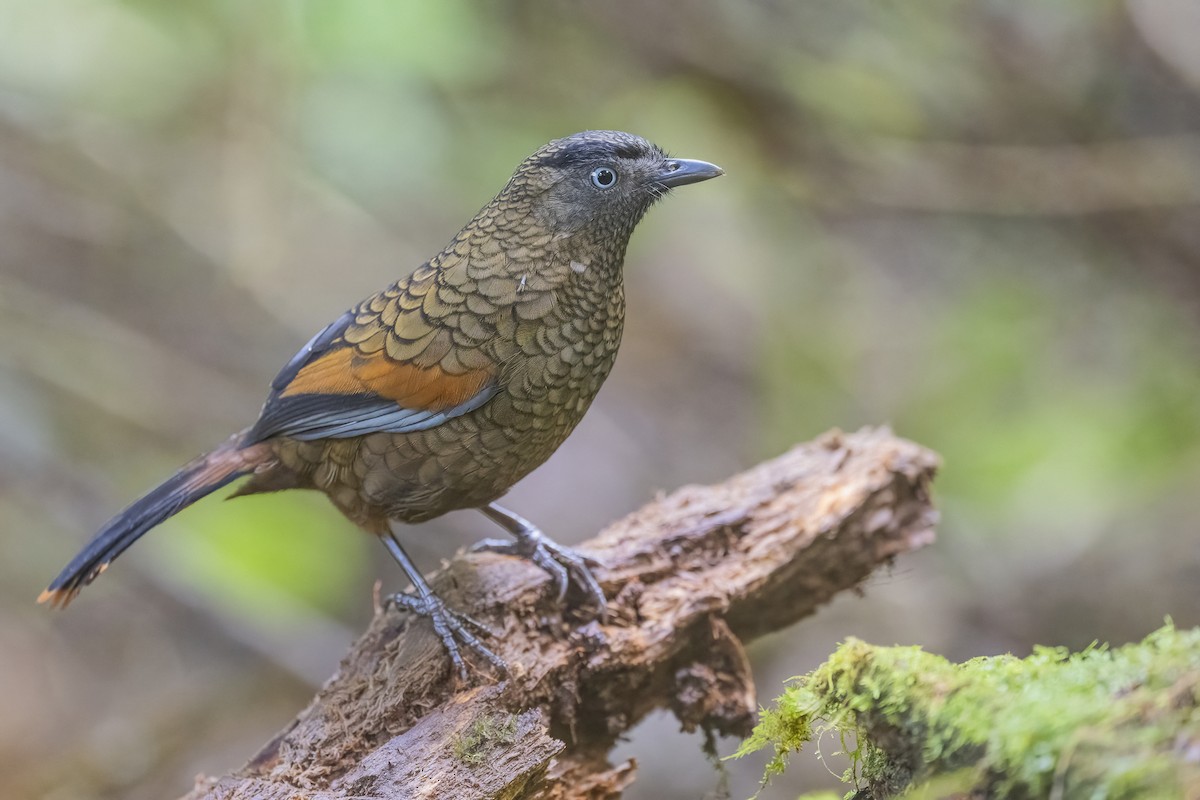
[976, 221]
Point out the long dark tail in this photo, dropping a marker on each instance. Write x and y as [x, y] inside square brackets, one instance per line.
[200, 477]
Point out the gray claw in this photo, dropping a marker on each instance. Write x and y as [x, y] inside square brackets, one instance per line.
[563, 563]
[492, 546]
[558, 572]
[452, 628]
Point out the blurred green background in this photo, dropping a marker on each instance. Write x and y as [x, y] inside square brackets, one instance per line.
[976, 221]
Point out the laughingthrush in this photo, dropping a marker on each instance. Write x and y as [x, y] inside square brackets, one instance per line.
[453, 383]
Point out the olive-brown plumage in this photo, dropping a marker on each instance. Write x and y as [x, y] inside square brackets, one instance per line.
[449, 386]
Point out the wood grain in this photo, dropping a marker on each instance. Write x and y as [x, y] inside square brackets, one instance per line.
[690, 576]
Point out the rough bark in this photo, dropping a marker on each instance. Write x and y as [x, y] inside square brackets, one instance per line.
[690, 576]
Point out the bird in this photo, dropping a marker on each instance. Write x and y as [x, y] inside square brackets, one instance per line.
[446, 388]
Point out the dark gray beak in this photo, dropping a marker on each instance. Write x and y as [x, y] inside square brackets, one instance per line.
[682, 171]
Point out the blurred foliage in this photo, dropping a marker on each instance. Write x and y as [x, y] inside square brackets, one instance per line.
[229, 555]
[975, 220]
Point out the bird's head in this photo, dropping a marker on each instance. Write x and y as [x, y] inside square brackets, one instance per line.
[599, 182]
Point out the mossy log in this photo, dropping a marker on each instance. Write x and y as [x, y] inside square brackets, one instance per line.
[1119, 724]
[690, 576]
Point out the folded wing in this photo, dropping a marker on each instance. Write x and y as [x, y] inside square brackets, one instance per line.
[382, 367]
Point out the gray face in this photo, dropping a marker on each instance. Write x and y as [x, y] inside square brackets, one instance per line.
[605, 180]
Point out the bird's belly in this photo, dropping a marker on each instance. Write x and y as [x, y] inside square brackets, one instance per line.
[465, 462]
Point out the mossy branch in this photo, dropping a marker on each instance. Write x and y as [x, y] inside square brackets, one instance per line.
[690, 576]
[1102, 723]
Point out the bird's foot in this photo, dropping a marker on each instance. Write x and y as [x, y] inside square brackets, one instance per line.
[452, 628]
[564, 564]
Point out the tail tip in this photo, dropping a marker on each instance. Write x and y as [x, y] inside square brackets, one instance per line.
[60, 593]
[56, 598]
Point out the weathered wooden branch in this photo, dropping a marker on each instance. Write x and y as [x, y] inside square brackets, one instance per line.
[690, 576]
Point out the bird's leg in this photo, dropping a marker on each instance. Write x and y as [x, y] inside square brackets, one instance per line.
[563, 563]
[450, 626]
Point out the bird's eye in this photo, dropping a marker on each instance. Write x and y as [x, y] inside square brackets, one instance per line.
[604, 177]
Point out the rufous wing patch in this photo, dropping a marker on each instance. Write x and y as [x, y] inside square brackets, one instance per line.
[347, 371]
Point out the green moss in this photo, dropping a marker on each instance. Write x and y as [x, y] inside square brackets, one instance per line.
[483, 735]
[1097, 724]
